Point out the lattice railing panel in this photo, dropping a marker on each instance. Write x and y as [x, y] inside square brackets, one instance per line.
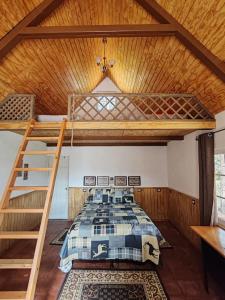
[109, 107]
[17, 107]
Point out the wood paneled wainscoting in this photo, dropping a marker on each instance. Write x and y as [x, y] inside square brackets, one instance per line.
[183, 211]
[153, 200]
[160, 204]
[20, 221]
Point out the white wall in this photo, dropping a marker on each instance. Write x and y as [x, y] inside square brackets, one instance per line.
[182, 157]
[220, 136]
[148, 162]
[183, 160]
[9, 144]
[106, 85]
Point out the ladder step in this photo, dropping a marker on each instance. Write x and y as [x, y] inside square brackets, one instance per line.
[44, 152]
[42, 138]
[16, 263]
[28, 188]
[33, 169]
[21, 211]
[47, 125]
[17, 235]
[13, 295]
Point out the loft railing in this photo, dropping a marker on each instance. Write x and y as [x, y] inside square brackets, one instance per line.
[17, 107]
[118, 106]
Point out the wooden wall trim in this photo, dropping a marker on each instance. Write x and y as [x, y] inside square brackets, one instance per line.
[153, 200]
[161, 204]
[183, 212]
[192, 197]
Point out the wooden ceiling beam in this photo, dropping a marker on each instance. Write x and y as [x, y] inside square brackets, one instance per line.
[185, 37]
[116, 125]
[115, 143]
[96, 31]
[125, 138]
[13, 37]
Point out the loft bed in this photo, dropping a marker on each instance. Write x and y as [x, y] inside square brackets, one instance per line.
[154, 119]
[113, 119]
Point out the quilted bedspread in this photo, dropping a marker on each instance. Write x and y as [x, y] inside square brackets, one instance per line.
[111, 231]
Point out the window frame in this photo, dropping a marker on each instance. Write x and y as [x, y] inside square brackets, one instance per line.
[221, 220]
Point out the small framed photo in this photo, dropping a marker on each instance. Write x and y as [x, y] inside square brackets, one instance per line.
[134, 180]
[120, 180]
[102, 180]
[89, 180]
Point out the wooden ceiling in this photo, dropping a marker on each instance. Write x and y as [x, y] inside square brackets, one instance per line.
[52, 69]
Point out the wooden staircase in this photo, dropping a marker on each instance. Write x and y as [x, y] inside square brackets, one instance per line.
[34, 263]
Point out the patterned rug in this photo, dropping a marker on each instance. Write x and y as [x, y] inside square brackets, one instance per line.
[59, 239]
[112, 285]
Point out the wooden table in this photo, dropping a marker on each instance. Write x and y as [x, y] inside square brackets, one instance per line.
[213, 236]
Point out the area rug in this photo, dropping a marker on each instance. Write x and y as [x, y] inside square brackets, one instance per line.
[59, 239]
[112, 285]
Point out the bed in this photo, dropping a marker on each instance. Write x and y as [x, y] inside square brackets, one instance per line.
[110, 226]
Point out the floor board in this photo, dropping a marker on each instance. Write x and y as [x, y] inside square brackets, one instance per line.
[180, 269]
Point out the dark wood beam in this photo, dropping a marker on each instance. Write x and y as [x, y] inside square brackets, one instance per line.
[124, 138]
[13, 37]
[196, 47]
[119, 143]
[96, 31]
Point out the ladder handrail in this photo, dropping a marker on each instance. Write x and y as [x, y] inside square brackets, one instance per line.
[4, 208]
[42, 231]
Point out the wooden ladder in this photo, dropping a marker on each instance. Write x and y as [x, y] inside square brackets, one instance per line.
[33, 264]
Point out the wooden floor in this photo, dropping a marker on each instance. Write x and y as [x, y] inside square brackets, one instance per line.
[180, 272]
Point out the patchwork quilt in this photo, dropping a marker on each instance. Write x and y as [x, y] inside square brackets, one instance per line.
[111, 231]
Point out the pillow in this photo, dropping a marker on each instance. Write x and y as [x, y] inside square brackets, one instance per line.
[128, 198]
[90, 198]
[123, 195]
[99, 196]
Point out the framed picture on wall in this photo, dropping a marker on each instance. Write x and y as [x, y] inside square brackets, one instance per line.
[89, 180]
[102, 180]
[134, 180]
[120, 180]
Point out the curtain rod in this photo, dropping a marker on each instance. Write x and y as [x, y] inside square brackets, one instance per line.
[212, 132]
[219, 130]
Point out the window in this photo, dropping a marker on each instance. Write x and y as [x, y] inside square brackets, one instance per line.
[220, 187]
[107, 103]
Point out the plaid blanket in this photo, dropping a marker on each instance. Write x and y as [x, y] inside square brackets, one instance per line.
[111, 231]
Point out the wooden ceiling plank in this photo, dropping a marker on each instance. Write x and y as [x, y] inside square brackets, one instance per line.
[196, 47]
[96, 31]
[12, 38]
